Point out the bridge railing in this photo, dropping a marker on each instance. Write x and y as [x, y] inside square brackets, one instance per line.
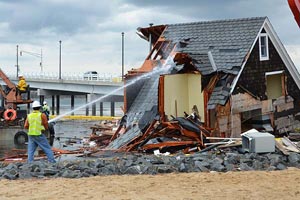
[105, 77]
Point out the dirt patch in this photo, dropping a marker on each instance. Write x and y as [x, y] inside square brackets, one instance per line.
[232, 185]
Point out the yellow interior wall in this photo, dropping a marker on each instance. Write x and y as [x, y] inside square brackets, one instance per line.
[185, 89]
[195, 95]
[274, 88]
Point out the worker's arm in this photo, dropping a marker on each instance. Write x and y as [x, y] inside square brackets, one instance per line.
[26, 125]
[44, 121]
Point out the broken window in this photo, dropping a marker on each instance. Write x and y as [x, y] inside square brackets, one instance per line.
[263, 47]
[275, 84]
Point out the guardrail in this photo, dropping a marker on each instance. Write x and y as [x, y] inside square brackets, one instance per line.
[106, 77]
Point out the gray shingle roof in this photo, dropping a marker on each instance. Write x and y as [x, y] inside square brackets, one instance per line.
[228, 40]
[146, 102]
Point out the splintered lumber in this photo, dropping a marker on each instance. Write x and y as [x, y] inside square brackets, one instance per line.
[294, 136]
[180, 134]
[62, 151]
[290, 145]
[168, 144]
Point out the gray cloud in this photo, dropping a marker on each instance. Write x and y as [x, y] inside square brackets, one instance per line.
[60, 17]
[91, 30]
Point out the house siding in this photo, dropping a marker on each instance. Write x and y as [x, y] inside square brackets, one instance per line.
[253, 81]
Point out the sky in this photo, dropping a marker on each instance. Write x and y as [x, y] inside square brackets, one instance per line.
[90, 30]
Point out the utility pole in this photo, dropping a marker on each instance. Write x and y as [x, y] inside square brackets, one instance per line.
[17, 61]
[150, 37]
[59, 73]
[41, 64]
[122, 56]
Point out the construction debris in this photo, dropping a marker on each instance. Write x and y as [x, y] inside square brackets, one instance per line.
[181, 133]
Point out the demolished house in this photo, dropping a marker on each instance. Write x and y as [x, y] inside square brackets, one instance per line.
[230, 76]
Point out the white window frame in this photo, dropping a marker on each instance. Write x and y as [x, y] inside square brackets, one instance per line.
[261, 57]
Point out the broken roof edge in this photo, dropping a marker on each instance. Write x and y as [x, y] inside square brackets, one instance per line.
[247, 57]
[282, 52]
[145, 32]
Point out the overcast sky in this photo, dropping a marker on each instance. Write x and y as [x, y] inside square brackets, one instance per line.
[90, 30]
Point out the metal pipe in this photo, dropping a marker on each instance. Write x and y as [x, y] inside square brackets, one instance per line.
[122, 56]
[41, 64]
[150, 38]
[59, 74]
[17, 61]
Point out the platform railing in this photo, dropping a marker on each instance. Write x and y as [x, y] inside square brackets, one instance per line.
[103, 77]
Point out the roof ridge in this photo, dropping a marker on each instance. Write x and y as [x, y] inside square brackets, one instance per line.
[221, 20]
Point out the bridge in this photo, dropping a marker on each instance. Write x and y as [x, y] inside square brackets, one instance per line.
[50, 87]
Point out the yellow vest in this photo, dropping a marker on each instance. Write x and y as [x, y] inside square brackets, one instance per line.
[35, 123]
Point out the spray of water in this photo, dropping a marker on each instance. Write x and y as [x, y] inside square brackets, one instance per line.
[157, 70]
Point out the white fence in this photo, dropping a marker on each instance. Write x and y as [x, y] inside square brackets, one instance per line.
[105, 77]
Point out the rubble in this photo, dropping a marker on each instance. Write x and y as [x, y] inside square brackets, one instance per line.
[119, 164]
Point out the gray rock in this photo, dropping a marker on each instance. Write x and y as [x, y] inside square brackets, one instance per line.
[73, 167]
[105, 171]
[83, 165]
[251, 156]
[202, 166]
[9, 176]
[70, 174]
[66, 164]
[230, 167]
[11, 166]
[217, 167]
[271, 168]
[156, 161]
[280, 166]
[128, 163]
[92, 171]
[232, 158]
[50, 172]
[199, 157]
[137, 169]
[217, 160]
[246, 160]
[183, 168]
[257, 165]
[294, 158]
[275, 159]
[245, 167]
[84, 174]
[99, 163]
[164, 169]
[25, 175]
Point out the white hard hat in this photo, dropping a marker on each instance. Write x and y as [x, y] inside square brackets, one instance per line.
[20, 75]
[36, 104]
[45, 102]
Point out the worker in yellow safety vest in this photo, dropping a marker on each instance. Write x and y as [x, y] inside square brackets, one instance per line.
[22, 85]
[37, 123]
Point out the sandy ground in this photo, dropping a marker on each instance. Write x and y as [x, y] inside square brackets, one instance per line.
[232, 185]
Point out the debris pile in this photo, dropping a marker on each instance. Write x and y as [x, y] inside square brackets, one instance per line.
[168, 136]
[102, 133]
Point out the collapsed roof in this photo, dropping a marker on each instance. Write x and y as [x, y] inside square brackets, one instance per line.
[214, 46]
